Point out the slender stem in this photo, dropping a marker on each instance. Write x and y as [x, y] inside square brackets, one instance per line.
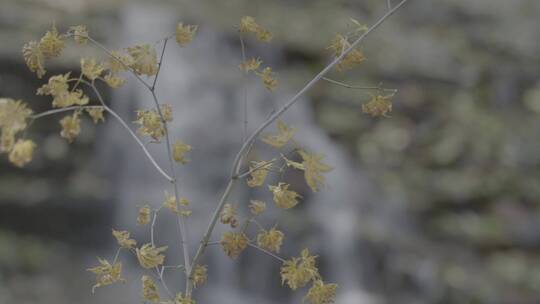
[339, 83]
[160, 63]
[243, 48]
[235, 167]
[282, 260]
[125, 125]
[181, 222]
[102, 47]
[389, 4]
[310, 84]
[56, 111]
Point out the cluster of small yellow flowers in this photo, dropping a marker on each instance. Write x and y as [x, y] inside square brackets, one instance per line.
[354, 57]
[143, 217]
[122, 237]
[79, 33]
[378, 106]
[22, 152]
[150, 124]
[185, 33]
[167, 112]
[170, 202]
[234, 243]
[150, 292]
[96, 114]
[249, 65]
[35, 53]
[107, 274]
[259, 173]
[268, 78]
[297, 272]
[321, 293]
[249, 25]
[179, 150]
[13, 117]
[51, 44]
[119, 62]
[90, 68]
[114, 81]
[179, 299]
[270, 240]
[284, 198]
[313, 167]
[71, 126]
[282, 138]
[228, 216]
[150, 256]
[200, 274]
[58, 88]
[257, 207]
[34, 58]
[144, 59]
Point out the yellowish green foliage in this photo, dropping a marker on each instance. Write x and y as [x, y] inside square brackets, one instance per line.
[143, 217]
[185, 33]
[199, 275]
[268, 78]
[297, 272]
[13, 119]
[119, 61]
[282, 138]
[249, 65]
[340, 44]
[150, 124]
[90, 68]
[249, 25]
[34, 58]
[257, 207]
[259, 171]
[321, 293]
[313, 168]
[71, 126]
[96, 114]
[378, 106]
[80, 34]
[106, 273]
[150, 256]
[180, 299]
[283, 197]
[270, 240]
[234, 243]
[150, 291]
[114, 81]
[122, 237]
[228, 216]
[22, 152]
[179, 150]
[144, 59]
[51, 44]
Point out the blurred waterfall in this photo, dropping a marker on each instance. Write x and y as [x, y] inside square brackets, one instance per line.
[203, 84]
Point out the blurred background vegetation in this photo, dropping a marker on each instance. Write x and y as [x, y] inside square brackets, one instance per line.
[458, 160]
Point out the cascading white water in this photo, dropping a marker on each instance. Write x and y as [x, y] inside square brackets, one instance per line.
[205, 88]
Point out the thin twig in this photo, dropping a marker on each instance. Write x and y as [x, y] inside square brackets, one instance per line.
[235, 167]
[56, 111]
[339, 83]
[282, 260]
[159, 64]
[125, 125]
[243, 48]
